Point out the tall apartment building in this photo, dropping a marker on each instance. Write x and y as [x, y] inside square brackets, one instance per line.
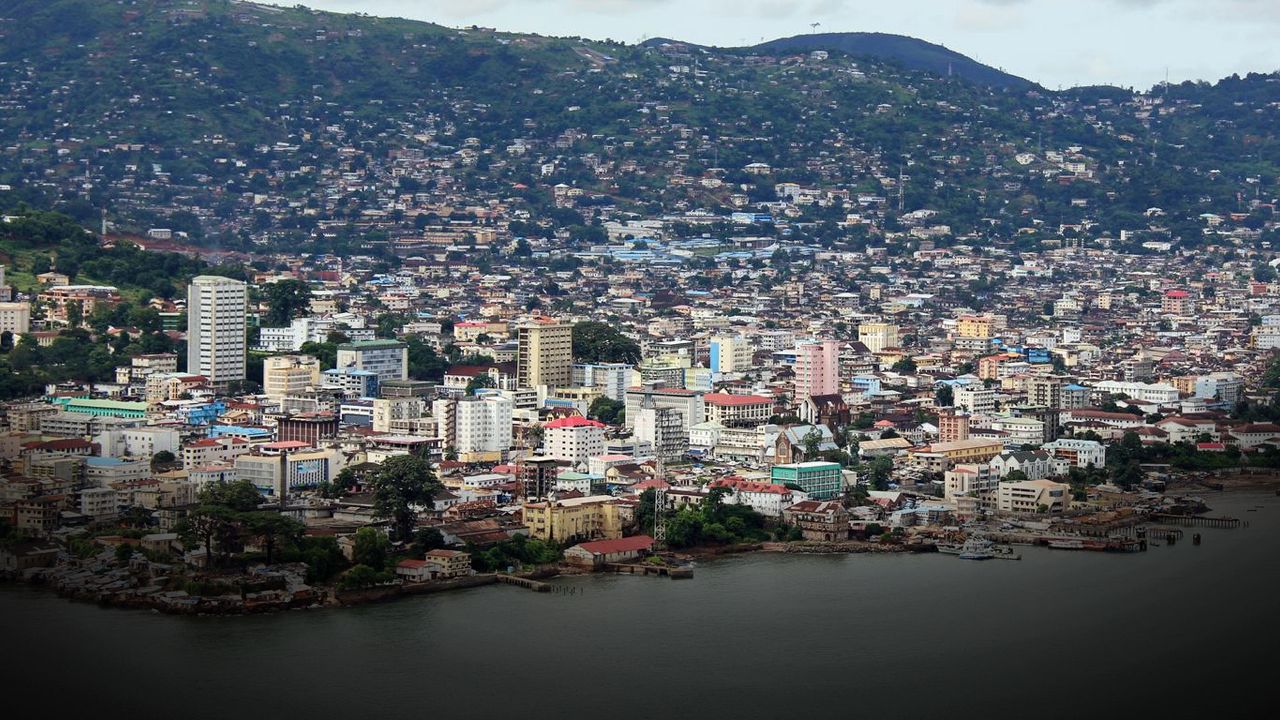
[575, 439]
[284, 375]
[609, 378]
[1046, 392]
[952, 426]
[878, 336]
[544, 354]
[689, 405]
[15, 317]
[477, 428]
[216, 327]
[817, 369]
[388, 359]
[729, 354]
[663, 428]
[974, 399]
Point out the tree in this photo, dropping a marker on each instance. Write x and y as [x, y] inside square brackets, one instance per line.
[426, 540]
[398, 485]
[607, 410]
[371, 548]
[601, 342]
[285, 300]
[481, 381]
[944, 396]
[272, 528]
[203, 525]
[1014, 476]
[162, 459]
[905, 366]
[238, 496]
[812, 443]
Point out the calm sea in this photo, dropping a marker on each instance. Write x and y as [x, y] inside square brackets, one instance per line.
[1179, 631]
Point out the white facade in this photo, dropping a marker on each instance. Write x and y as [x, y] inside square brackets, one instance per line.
[15, 317]
[609, 378]
[1080, 453]
[730, 354]
[216, 327]
[974, 399]
[574, 439]
[141, 442]
[387, 359]
[1157, 393]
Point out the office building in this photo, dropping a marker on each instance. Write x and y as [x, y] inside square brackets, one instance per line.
[544, 354]
[817, 369]
[216, 327]
[284, 375]
[388, 359]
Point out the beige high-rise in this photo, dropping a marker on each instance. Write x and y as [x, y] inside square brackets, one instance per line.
[545, 354]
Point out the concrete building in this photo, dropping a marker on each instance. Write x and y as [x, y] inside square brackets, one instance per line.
[952, 426]
[662, 428]
[594, 517]
[818, 480]
[878, 335]
[817, 369]
[1156, 393]
[611, 379]
[574, 439]
[729, 354]
[477, 428]
[216, 328]
[15, 317]
[689, 405]
[544, 354]
[388, 359]
[941, 457]
[974, 399]
[1224, 387]
[1033, 496]
[284, 375]
[737, 410]
[139, 442]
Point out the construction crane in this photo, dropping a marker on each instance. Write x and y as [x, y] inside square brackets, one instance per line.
[659, 504]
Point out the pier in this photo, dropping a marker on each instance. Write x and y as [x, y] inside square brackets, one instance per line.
[1196, 520]
[526, 583]
[640, 569]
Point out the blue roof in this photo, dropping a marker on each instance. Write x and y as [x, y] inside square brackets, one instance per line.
[103, 461]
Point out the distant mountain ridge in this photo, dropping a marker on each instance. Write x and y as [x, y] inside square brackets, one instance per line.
[911, 53]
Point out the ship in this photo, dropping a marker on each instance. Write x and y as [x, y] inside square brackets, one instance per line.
[977, 549]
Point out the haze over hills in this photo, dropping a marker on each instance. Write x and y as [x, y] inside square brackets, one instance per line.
[256, 124]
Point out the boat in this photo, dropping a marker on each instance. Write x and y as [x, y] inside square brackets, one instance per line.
[977, 549]
[950, 548]
[1066, 544]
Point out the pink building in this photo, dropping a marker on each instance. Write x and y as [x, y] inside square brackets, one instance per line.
[817, 369]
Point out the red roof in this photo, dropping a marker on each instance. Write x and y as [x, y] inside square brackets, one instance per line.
[727, 399]
[573, 421]
[412, 564]
[630, 544]
[1176, 294]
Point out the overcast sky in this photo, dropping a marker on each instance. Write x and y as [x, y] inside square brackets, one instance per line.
[1053, 42]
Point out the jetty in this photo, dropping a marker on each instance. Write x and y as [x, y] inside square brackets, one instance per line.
[676, 572]
[1196, 520]
[526, 583]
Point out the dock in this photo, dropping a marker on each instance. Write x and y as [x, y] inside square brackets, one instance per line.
[679, 572]
[1196, 520]
[526, 583]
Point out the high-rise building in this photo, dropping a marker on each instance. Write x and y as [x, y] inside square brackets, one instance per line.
[477, 428]
[216, 327]
[609, 378]
[284, 375]
[878, 336]
[817, 369]
[663, 428]
[729, 354]
[952, 426]
[388, 359]
[545, 354]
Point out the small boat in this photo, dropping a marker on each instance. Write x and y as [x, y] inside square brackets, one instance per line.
[950, 548]
[1066, 544]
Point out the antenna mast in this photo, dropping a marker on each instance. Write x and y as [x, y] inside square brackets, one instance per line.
[659, 505]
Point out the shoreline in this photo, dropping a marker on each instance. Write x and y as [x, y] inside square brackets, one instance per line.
[121, 588]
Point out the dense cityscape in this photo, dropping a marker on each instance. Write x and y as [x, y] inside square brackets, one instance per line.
[310, 310]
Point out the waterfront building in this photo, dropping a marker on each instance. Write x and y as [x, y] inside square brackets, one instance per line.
[819, 480]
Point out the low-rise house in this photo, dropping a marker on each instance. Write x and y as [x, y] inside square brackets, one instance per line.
[598, 553]
[819, 521]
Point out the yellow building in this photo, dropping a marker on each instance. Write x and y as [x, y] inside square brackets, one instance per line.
[975, 326]
[593, 517]
[942, 456]
[545, 354]
[284, 375]
[878, 336]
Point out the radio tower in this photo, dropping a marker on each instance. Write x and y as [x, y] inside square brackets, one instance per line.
[659, 504]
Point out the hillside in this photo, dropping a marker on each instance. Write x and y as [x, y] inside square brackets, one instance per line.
[911, 53]
[248, 126]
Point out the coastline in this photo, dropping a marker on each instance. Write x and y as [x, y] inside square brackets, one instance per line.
[140, 589]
